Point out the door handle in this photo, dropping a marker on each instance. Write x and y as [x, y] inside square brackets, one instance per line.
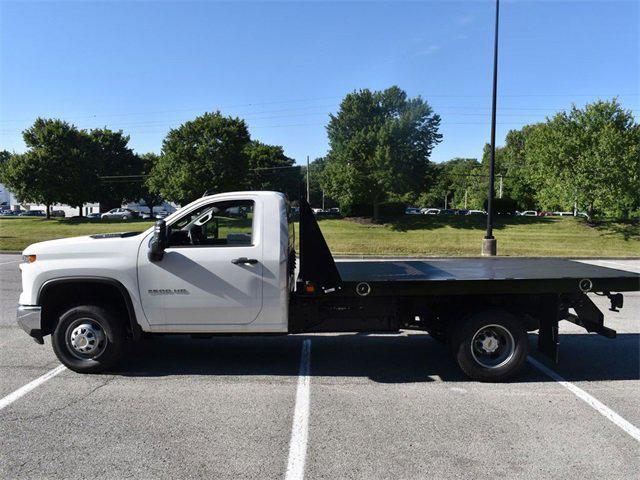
[244, 261]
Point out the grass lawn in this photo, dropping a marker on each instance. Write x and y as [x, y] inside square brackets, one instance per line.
[411, 235]
[17, 233]
[462, 236]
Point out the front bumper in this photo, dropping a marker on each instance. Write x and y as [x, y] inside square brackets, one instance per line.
[29, 318]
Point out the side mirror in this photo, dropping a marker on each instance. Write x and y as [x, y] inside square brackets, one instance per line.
[158, 241]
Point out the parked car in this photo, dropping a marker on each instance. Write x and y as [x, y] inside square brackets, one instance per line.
[430, 211]
[476, 212]
[8, 213]
[94, 216]
[160, 214]
[120, 214]
[447, 211]
[58, 213]
[412, 211]
[563, 214]
[546, 214]
[32, 213]
[529, 213]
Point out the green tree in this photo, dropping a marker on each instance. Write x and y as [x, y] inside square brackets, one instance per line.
[380, 143]
[513, 167]
[589, 155]
[316, 191]
[459, 180]
[271, 169]
[204, 154]
[114, 158]
[145, 164]
[57, 166]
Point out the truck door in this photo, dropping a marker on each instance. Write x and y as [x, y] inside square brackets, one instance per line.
[211, 272]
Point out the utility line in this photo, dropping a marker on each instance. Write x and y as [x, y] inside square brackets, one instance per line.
[425, 96]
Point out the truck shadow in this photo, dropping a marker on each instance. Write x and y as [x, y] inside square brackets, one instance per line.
[381, 358]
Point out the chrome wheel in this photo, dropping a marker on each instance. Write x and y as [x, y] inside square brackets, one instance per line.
[492, 346]
[86, 338]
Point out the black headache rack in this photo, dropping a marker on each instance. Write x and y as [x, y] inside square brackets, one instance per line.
[318, 271]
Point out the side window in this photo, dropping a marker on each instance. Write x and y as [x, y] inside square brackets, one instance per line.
[228, 223]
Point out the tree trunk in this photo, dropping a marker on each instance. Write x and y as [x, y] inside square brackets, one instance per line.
[48, 212]
[590, 210]
[80, 211]
[376, 211]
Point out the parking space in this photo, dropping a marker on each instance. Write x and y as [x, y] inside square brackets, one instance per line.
[380, 406]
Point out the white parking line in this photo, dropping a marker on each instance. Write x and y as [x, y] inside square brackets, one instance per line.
[22, 391]
[300, 428]
[591, 401]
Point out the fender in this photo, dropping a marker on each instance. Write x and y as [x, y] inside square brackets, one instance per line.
[136, 331]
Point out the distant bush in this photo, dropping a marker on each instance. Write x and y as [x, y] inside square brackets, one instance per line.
[387, 210]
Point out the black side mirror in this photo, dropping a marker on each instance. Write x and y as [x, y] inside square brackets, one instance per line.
[158, 241]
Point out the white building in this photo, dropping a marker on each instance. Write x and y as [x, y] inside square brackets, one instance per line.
[6, 198]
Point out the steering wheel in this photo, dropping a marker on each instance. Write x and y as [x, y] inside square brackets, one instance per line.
[196, 236]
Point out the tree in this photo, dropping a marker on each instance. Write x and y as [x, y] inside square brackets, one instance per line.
[458, 180]
[589, 155]
[57, 166]
[317, 195]
[145, 164]
[380, 143]
[114, 158]
[204, 154]
[271, 169]
[512, 165]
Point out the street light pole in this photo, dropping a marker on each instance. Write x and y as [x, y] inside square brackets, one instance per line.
[489, 243]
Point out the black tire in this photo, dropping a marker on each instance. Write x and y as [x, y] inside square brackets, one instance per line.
[106, 332]
[493, 326]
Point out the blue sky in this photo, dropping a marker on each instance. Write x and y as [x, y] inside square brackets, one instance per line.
[145, 67]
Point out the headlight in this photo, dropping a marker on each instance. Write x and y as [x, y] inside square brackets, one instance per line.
[28, 258]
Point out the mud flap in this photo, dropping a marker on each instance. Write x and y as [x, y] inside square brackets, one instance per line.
[548, 333]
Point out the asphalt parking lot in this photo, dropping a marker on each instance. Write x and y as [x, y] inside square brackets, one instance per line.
[374, 406]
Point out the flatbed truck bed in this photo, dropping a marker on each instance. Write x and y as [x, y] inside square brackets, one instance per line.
[461, 276]
[476, 306]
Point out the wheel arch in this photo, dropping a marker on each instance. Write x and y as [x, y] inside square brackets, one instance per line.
[53, 296]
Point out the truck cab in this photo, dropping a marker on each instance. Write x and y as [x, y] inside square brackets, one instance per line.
[225, 268]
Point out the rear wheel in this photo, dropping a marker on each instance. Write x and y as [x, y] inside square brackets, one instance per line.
[491, 346]
[88, 339]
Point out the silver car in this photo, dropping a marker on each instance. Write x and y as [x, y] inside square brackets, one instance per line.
[119, 214]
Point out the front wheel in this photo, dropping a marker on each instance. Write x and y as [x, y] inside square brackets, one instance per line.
[88, 339]
[491, 346]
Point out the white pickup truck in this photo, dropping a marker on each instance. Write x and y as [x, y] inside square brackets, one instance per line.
[226, 264]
